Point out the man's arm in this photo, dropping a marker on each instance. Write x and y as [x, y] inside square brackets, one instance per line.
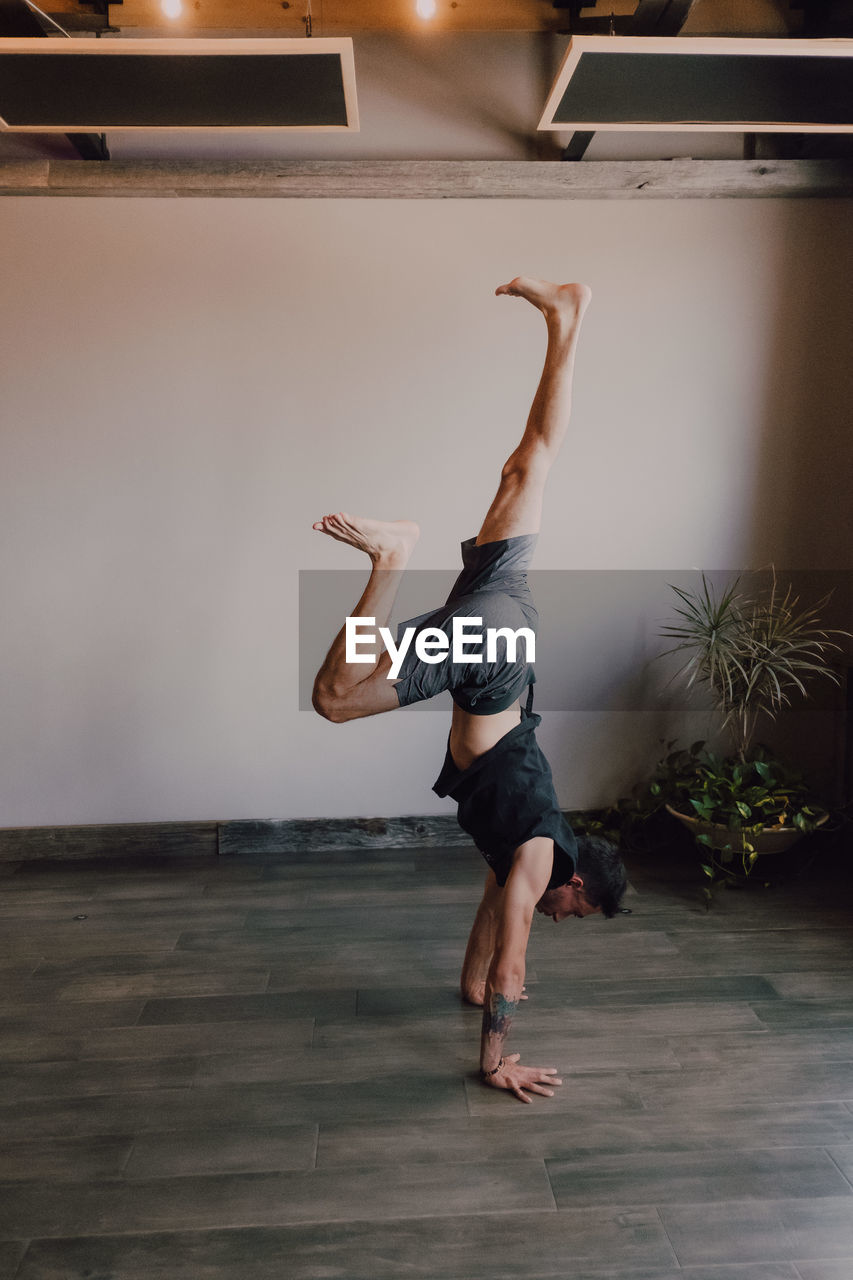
[481, 943]
[526, 882]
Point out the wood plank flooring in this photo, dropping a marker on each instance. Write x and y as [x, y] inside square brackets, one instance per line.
[250, 1068]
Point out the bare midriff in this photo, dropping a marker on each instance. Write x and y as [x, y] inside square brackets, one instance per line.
[472, 736]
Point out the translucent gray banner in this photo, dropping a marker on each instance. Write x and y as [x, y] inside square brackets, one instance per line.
[599, 642]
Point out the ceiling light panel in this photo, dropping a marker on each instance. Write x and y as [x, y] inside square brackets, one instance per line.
[73, 86]
[691, 83]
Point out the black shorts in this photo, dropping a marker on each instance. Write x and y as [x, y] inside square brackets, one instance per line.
[493, 587]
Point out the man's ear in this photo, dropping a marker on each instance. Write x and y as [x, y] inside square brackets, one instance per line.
[576, 882]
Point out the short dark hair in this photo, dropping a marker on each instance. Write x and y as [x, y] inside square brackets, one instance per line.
[603, 873]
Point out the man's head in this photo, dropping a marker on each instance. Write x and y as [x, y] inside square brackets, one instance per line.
[567, 900]
[596, 887]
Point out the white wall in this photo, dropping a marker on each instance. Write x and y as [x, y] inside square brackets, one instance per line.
[187, 385]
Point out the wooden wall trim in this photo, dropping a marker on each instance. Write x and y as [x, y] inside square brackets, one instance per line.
[324, 834]
[229, 839]
[121, 840]
[432, 179]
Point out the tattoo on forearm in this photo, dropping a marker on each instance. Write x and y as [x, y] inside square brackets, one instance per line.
[497, 1015]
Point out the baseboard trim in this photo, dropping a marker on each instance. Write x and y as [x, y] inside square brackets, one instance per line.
[227, 839]
[113, 840]
[326, 834]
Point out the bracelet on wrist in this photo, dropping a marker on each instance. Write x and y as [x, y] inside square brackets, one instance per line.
[486, 1075]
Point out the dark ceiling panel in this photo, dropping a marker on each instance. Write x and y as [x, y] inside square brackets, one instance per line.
[703, 83]
[68, 89]
[716, 88]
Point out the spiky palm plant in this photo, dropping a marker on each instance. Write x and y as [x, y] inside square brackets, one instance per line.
[753, 652]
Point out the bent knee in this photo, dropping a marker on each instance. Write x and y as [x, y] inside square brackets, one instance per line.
[528, 462]
[329, 705]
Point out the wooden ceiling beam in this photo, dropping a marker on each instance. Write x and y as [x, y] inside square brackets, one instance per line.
[432, 179]
[351, 17]
[329, 17]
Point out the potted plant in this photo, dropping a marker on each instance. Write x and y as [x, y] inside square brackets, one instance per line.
[753, 652]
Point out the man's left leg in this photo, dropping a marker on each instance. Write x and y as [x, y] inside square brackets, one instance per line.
[341, 692]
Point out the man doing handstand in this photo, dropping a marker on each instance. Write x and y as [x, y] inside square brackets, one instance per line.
[493, 768]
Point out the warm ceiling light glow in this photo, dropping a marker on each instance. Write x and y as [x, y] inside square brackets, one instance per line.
[171, 8]
[425, 8]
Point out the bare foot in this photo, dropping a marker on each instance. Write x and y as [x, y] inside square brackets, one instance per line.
[555, 301]
[389, 543]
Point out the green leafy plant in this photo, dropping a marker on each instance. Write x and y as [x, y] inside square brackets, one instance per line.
[743, 799]
[751, 651]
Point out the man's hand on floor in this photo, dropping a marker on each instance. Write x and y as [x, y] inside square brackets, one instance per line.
[516, 1078]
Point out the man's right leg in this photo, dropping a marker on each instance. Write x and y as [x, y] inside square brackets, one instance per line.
[517, 507]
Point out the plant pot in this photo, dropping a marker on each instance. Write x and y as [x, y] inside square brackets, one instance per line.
[768, 840]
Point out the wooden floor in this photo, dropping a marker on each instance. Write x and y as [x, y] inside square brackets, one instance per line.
[260, 1070]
